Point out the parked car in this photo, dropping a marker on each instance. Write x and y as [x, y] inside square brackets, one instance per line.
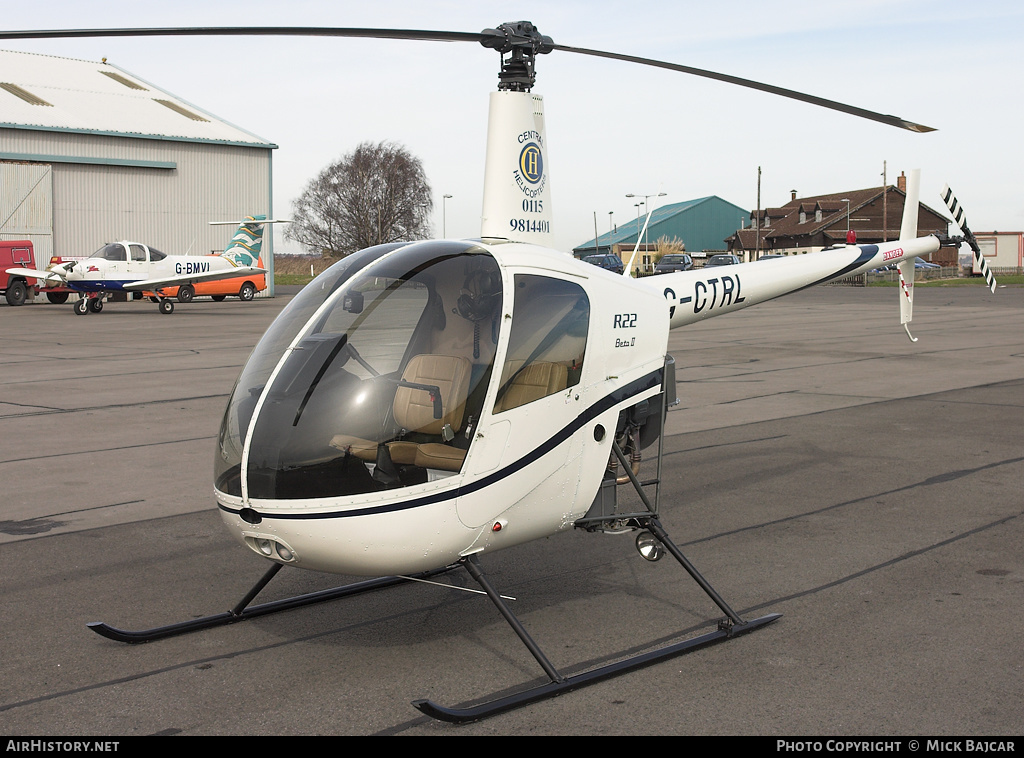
[673, 262]
[242, 287]
[918, 264]
[607, 260]
[722, 260]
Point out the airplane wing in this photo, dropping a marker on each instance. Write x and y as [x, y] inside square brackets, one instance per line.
[49, 277]
[209, 276]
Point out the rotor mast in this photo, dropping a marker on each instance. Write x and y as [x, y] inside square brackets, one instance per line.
[517, 190]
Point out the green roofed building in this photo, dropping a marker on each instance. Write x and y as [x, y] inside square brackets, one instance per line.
[702, 225]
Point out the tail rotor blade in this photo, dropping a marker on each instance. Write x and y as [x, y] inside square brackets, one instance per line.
[960, 218]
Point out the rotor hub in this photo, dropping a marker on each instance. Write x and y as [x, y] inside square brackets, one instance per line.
[521, 43]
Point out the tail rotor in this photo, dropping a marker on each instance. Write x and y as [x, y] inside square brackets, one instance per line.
[960, 218]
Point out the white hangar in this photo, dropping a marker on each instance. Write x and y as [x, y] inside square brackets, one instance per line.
[90, 154]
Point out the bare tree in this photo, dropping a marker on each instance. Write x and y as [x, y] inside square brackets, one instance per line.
[378, 193]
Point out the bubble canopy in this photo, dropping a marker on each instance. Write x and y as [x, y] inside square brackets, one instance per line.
[372, 376]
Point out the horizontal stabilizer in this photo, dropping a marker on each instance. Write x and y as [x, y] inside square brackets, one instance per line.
[251, 222]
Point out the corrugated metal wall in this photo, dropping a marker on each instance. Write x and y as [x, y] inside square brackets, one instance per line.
[26, 206]
[161, 192]
[703, 227]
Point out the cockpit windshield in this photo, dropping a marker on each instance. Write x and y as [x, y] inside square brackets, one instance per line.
[112, 251]
[372, 378]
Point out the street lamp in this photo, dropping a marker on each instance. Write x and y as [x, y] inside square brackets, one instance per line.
[645, 203]
[847, 201]
[444, 224]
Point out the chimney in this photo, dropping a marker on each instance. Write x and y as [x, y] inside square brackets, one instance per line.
[792, 195]
[901, 182]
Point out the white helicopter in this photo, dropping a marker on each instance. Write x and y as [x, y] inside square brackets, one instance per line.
[421, 405]
[134, 267]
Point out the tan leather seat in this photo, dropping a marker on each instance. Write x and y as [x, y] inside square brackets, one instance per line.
[414, 413]
[537, 380]
[414, 408]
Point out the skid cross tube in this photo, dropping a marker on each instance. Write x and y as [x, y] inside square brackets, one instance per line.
[242, 612]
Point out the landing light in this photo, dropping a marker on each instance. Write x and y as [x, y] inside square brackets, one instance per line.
[271, 548]
[649, 546]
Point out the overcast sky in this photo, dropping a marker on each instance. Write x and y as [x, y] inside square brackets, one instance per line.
[613, 128]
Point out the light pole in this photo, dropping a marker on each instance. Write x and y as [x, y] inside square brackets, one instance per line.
[444, 223]
[646, 205]
[847, 201]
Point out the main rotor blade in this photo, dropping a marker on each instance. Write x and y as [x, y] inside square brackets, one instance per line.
[240, 31]
[792, 94]
[445, 36]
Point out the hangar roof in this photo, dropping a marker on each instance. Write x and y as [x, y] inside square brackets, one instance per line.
[51, 93]
[702, 224]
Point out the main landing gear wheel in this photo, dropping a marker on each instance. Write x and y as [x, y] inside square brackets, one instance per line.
[95, 304]
[57, 298]
[82, 307]
[166, 306]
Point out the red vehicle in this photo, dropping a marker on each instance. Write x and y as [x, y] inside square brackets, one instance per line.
[18, 289]
[17, 253]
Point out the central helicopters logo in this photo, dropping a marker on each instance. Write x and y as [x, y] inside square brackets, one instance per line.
[530, 172]
[531, 163]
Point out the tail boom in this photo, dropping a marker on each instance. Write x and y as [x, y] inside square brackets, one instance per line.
[703, 293]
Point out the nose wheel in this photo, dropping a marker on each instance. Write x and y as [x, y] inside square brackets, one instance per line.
[92, 304]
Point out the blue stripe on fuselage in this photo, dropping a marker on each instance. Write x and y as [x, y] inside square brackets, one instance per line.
[99, 285]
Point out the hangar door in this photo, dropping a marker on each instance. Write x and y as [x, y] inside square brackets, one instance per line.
[26, 206]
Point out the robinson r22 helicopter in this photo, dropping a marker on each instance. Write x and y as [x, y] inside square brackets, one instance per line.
[420, 405]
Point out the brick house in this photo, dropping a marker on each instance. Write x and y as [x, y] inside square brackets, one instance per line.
[805, 225]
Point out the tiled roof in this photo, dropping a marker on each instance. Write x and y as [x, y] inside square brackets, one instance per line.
[833, 209]
[64, 94]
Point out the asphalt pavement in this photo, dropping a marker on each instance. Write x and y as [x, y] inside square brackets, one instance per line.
[819, 465]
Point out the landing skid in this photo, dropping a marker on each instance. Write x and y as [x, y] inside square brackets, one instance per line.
[242, 611]
[732, 626]
[606, 516]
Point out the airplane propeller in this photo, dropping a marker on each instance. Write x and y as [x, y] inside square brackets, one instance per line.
[520, 40]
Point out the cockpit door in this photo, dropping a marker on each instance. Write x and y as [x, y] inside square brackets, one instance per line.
[531, 437]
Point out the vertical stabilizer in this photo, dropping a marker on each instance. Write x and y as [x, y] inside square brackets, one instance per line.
[517, 190]
[247, 244]
[908, 228]
[908, 231]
